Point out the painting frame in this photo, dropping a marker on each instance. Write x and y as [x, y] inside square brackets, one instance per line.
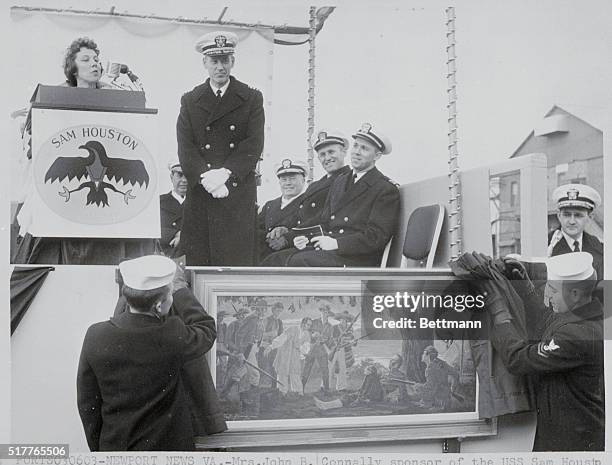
[210, 284]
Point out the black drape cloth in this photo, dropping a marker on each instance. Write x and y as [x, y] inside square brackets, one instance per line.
[25, 284]
[500, 392]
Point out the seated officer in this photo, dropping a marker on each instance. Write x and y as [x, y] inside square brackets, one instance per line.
[331, 149]
[360, 213]
[576, 203]
[566, 364]
[171, 210]
[278, 215]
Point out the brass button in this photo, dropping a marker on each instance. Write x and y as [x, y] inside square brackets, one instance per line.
[299, 222]
[207, 146]
[231, 145]
[235, 184]
[301, 206]
[313, 204]
[346, 219]
[173, 224]
[333, 217]
[207, 165]
[341, 231]
[208, 128]
[232, 127]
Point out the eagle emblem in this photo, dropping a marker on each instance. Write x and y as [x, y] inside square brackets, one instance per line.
[322, 136]
[572, 194]
[220, 41]
[286, 163]
[98, 171]
[366, 127]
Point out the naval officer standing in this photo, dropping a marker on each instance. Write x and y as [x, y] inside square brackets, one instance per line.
[576, 203]
[220, 132]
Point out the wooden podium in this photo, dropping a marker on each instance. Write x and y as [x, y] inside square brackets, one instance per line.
[94, 165]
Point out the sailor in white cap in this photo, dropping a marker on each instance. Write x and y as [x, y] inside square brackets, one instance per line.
[566, 364]
[576, 203]
[171, 210]
[220, 132]
[135, 375]
[277, 216]
[360, 213]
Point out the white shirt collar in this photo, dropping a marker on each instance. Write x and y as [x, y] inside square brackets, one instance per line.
[359, 175]
[215, 89]
[178, 198]
[285, 202]
[570, 241]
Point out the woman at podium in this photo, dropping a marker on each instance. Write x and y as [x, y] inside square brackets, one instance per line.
[82, 69]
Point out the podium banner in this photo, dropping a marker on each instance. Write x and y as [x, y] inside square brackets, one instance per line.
[94, 174]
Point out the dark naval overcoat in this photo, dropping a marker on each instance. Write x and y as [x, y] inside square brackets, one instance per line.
[566, 366]
[216, 134]
[362, 217]
[312, 201]
[272, 216]
[171, 217]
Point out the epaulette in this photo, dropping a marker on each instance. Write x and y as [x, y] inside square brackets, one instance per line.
[393, 182]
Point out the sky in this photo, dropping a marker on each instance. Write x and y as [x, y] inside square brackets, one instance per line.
[385, 63]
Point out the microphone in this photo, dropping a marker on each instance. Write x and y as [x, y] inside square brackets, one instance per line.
[114, 77]
[113, 69]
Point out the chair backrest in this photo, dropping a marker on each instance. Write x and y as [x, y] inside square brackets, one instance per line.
[422, 235]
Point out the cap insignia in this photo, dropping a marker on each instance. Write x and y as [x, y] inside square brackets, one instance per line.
[220, 41]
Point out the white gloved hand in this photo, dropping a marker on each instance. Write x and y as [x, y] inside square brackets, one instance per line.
[220, 192]
[325, 243]
[213, 179]
[300, 242]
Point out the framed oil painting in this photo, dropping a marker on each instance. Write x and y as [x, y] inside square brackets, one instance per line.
[293, 364]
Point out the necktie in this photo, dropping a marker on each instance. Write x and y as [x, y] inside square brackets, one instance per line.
[219, 94]
[354, 178]
[576, 246]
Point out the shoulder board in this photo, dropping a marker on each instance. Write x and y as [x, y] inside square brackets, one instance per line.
[393, 182]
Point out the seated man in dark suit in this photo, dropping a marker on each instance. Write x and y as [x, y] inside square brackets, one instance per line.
[331, 149]
[360, 213]
[576, 203]
[171, 210]
[278, 215]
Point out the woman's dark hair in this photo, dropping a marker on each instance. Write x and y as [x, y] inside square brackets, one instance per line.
[144, 300]
[69, 64]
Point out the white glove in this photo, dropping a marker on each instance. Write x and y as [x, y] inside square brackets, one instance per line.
[213, 179]
[220, 192]
[325, 243]
[300, 242]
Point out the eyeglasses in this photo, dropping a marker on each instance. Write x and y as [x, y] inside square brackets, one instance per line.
[577, 215]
